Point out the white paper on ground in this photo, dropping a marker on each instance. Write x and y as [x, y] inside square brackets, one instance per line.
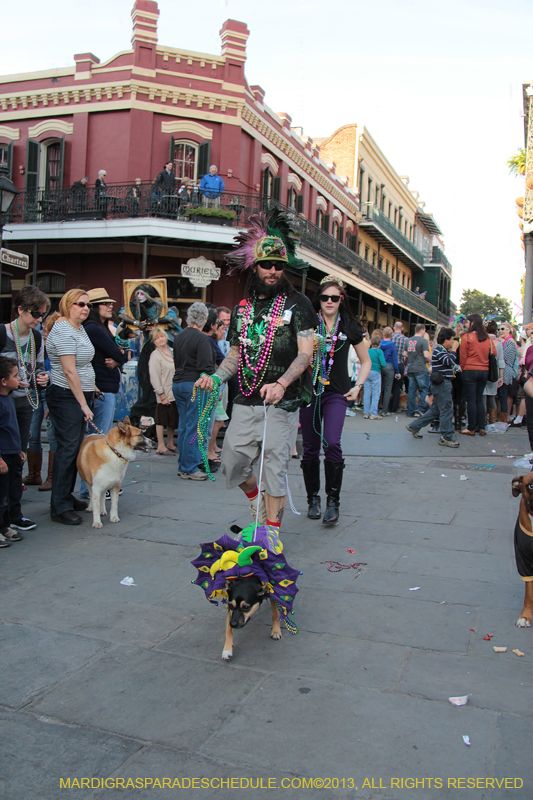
[127, 581]
[459, 701]
[466, 740]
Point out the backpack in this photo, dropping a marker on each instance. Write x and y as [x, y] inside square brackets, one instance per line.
[3, 339]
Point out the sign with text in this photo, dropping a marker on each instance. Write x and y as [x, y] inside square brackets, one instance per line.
[12, 259]
[200, 271]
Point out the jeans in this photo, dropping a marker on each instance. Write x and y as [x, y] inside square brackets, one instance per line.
[189, 454]
[474, 382]
[372, 393]
[420, 381]
[69, 426]
[326, 412]
[442, 409]
[104, 412]
[24, 416]
[503, 393]
[36, 427]
[10, 490]
[387, 379]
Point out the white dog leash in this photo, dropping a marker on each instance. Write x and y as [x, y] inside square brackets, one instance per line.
[293, 509]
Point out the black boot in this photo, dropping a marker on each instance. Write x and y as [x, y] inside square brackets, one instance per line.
[311, 471]
[334, 470]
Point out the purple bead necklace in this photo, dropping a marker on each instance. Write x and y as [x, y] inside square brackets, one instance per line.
[257, 358]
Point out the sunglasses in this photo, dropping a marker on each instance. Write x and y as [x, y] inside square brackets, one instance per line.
[335, 298]
[81, 304]
[37, 314]
[503, 329]
[279, 266]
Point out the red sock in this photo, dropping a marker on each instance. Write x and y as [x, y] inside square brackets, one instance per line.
[252, 495]
[274, 524]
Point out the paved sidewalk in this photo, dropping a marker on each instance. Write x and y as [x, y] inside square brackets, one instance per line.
[101, 680]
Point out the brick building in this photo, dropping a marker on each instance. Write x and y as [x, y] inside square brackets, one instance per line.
[154, 102]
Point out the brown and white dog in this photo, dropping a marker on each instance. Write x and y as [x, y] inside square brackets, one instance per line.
[523, 543]
[102, 463]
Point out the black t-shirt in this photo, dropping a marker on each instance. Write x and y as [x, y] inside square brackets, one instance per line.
[298, 315]
[339, 379]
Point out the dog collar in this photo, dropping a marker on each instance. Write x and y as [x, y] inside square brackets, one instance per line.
[114, 449]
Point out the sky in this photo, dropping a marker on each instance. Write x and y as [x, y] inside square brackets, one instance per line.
[438, 85]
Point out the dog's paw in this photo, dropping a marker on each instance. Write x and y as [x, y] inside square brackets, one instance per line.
[89, 510]
[522, 622]
[226, 655]
[97, 525]
[103, 513]
[275, 635]
[114, 518]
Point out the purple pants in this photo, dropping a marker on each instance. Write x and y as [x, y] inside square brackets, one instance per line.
[330, 410]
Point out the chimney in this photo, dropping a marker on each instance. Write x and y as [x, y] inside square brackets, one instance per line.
[234, 36]
[144, 40]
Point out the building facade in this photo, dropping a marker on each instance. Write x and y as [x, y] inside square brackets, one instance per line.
[152, 103]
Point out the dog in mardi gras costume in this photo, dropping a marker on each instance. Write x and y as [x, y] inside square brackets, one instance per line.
[244, 571]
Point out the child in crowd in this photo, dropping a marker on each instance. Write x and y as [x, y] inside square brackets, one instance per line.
[373, 382]
[11, 455]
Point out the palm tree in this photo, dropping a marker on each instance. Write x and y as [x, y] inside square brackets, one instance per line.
[517, 162]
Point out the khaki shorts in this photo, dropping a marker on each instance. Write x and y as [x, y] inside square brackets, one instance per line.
[242, 446]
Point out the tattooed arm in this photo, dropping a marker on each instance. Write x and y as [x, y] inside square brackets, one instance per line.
[274, 392]
[227, 370]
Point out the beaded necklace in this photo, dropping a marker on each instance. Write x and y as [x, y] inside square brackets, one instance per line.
[22, 357]
[257, 341]
[324, 351]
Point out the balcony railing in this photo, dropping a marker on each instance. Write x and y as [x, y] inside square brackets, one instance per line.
[377, 217]
[438, 257]
[147, 200]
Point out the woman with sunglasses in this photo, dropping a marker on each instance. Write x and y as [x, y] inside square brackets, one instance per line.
[69, 398]
[474, 357]
[24, 343]
[322, 421]
[510, 356]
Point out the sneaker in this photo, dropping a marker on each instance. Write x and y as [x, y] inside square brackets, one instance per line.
[386, 413]
[416, 434]
[23, 524]
[366, 416]
[448, 442]
[375, 416]
[417, 414]
[12, 535]
[3, 541]
[108, 494]
[193, 476]
[350, 413]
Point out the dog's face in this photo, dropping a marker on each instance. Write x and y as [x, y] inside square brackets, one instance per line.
[524, 485]
[245, 595]
[132, 437]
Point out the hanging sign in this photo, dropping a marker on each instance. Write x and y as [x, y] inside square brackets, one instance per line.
[14, 259]
[200, 271]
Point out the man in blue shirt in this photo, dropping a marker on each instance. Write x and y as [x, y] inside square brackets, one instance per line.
[212, 186]
[391, 370]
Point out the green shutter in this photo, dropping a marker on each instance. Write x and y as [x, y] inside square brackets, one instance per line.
[61, 164]
[171, 148]
[203, 159]
[10, 160]
[300, 203]
[276, 188]
[325, 223]
[33, 152]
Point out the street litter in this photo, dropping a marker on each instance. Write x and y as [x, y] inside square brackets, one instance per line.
[497, 427]
[334, 566]
[488, 637]
[466, 740]
[351, 551]
[444, 476]
[473, 630]
[482, 466]
[518, 652]
[414, 589]
[459, 701]
[500, 649]
[127, 581]
[134, 481]
[493, 451]
[463, 478]
[396, 420]
[523, 463]
[443, 603]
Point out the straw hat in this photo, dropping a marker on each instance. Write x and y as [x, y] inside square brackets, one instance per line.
[99, 296]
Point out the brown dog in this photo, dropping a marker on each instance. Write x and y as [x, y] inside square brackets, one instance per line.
[523, 543]
[245, 596]
[102, 463]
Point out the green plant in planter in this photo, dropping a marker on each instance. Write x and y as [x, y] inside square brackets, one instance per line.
[517, 163]
[200, 211]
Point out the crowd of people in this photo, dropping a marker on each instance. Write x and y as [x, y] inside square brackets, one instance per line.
[276, 363]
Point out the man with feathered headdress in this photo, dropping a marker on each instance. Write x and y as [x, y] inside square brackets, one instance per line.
[271, 337]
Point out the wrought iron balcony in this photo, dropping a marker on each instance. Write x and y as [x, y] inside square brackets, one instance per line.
[390, 236]
[438, 258]
[231, 209]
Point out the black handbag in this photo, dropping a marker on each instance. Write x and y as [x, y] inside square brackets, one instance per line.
[494, 372]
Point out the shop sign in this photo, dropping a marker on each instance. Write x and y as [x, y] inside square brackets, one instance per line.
[13, 259]
[200, 271]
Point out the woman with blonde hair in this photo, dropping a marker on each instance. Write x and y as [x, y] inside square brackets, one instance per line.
[69, 398]
[161, 368]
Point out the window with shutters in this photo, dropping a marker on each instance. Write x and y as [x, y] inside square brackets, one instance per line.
[267, 182]
[325, 223]
[6, 157]
[380, 264]
[53, 167]
[335, 229]
[374, 257]
[300, 203]
[319, 217]
[186, 160]
[387, 267]
[291, 197]
[51, 283]
[367, 250]
[276, 188]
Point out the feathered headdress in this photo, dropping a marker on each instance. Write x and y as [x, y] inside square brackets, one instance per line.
[269, 238]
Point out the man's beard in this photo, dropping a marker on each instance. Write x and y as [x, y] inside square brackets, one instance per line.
[260, 288]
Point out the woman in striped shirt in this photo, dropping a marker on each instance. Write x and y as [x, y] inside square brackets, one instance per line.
[69, 398]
